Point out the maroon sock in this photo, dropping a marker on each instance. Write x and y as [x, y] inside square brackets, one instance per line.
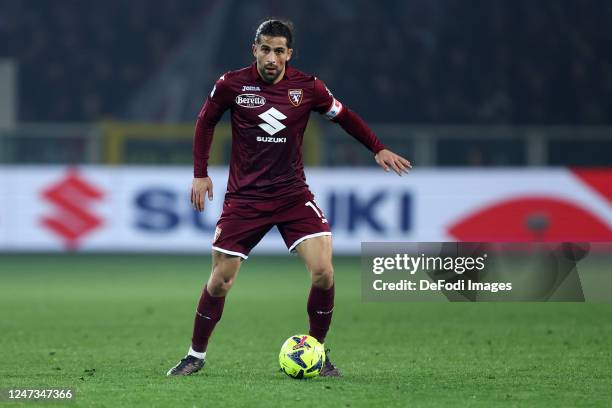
[208, 313]
[320, 307]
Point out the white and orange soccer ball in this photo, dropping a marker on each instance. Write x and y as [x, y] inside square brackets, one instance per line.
[301, 356]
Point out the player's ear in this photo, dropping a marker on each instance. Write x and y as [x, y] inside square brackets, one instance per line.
[289, 53]
[254, 48]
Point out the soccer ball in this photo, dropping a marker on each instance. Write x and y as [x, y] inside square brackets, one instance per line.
[301, 356]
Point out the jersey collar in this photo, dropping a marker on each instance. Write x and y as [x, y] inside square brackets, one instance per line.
[256, 77]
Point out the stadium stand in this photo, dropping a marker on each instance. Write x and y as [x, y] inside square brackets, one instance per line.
[429, 61]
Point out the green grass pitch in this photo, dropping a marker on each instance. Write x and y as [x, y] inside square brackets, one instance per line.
[110, 326]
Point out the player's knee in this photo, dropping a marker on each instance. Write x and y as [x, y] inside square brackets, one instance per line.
[219, 286]
[322, 275]
[227, 283]
[223, 276]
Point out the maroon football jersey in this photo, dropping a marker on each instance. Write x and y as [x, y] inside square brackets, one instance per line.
[268, 123]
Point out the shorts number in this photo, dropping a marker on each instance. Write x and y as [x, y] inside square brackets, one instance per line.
[316, 210]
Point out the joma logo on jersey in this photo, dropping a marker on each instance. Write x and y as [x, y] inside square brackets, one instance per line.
[295, 96]
[250, 100]
[246, 88]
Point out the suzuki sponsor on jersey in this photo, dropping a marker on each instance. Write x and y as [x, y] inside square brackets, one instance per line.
[250, 100]
[271, 139]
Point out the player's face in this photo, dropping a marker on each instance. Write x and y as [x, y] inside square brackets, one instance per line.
[271, 54]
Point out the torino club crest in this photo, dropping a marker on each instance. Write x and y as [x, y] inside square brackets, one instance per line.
[295, 96]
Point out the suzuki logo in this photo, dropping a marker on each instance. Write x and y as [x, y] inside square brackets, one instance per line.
[272, 125]
[72, 196]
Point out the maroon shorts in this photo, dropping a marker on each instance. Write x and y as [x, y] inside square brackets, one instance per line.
[244, 223]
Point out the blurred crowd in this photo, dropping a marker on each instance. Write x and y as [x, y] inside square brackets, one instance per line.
[81, 60]
[418, 61]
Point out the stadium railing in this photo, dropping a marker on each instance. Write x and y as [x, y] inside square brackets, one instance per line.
[325, 144]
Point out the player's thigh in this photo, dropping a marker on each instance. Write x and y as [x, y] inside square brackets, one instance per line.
[317, 255]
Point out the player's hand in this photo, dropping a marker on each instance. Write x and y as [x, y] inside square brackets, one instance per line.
[389, 160]
[199, 188]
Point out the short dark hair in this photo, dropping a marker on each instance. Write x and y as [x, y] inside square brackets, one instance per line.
[275, 28]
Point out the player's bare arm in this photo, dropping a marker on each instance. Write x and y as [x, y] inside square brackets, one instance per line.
[200, 188]
[389, 160]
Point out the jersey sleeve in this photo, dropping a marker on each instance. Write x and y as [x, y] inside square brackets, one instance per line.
[217, 102]
[324, 101]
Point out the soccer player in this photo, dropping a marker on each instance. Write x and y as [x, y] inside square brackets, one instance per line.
[270, 103]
